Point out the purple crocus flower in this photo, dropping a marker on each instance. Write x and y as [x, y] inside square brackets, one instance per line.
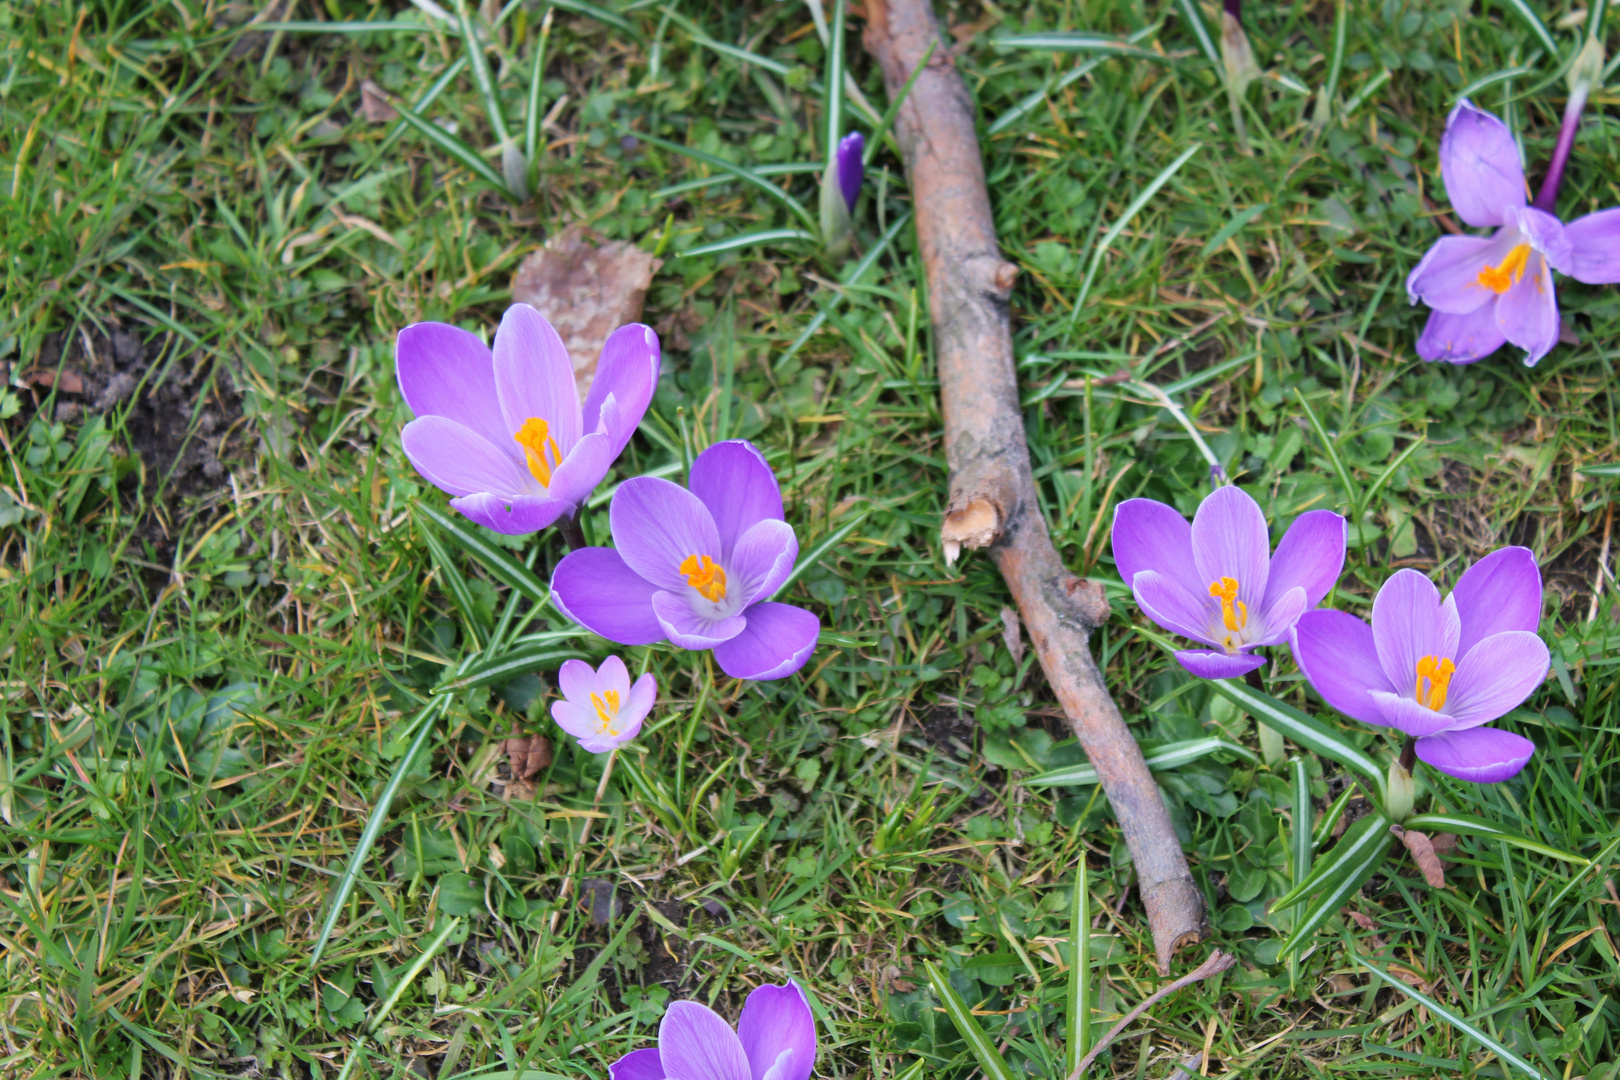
[600, 707]
[1216, 580]
[505, 433]
[775, 1040]
[850, 168]
[697, 567]
[1438, 670]
[1484, 291]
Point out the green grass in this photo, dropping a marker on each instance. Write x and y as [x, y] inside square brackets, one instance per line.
[207, 684]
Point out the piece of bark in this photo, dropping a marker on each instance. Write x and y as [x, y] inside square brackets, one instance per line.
[586, 286]
[992, 499]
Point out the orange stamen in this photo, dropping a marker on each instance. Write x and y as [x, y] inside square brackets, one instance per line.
[539, 448]
[1234, 613]
[606, 711]
[1499, 279]
[705, 576]
[1437, 670]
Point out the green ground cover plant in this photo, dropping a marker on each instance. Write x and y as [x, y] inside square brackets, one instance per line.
[236, 621]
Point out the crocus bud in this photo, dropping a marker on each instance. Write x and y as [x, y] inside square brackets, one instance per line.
[851, 171]
[515, 170]
[840, 186]
[1236, 55]
[1586, 73]
[1402, 792]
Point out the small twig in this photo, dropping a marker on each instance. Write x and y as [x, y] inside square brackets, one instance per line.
[1217, 963]
[1603, 561]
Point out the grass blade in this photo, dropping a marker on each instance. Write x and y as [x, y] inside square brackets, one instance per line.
[1195, 20]
[1331, 451]
[984, 1051]
[1473, 1031]
[824, 545]
[1347, 881]
[480, 72]
[1166, 757]
[496, 561]
[531, 120]
[1533, 23]
[709, 181]
[510, 664]
[732, 243]
[833, 91]
[739, 172]
[882, 130]
[851, 277]
[456, 583]
[410, 973]
[1063, 41]
[1341, 29]
[1365, 835]
[375, 823]
[600, 14]
[1301, 837]
[452, 146]
[1124, 221]
[1078, 1043]
[1468, 825]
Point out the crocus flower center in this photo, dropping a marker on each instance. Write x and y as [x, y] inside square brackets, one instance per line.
[706, 576]
[1499, 279]
[607, 711]
[539, 448]
[1433, 680]
[1234, 613]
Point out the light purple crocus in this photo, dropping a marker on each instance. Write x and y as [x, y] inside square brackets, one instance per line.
[504, 432]
[1438, 670]
[850, 168]
[696, 567]
[775, 1040]
[600, 707]
[1216, 580]
[1484, 291]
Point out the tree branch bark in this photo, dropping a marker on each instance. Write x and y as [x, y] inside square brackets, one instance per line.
[992, 489]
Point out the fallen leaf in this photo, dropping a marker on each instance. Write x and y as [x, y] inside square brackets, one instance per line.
[72, 381]
[1361, 920]
[1422, 854]
[374, 103]
[527, 755]
[586, 286]
[1012, 635]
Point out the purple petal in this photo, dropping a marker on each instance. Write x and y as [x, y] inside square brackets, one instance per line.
[695, 1044]
[1594, 243]
[1230, 539]
[580, 722]
[635, 707]
[445, 371]
[628, 372]
[1277, 620]
[594, 587]
[511, 515]
[577, 681]
[1405, 714]
[612, 677]
[776, 1020]
[1310, 556]
[637, 1065]
[762, 560]
[1169, 605]
[1546, 234]
[657, 525]
[1218, 665]
[1336, 652]
[1495, 676]
[688, 629]
[456, 459]
[1480, 165]
[1483, 755]
[1149, 535]
[534, 376]
[1448, 277]
[778, 641]
[582, 469]
[1527, 314]
[1407, 625]
[734, 482]
[1500, 592]
[850, 172]
[1461, 339]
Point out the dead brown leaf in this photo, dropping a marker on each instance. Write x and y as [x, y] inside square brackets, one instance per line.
[1422, 854]
[1011, 633]
[374, 103]
[72, 382]
[587, 286]
[1361, 920]
[527, 755]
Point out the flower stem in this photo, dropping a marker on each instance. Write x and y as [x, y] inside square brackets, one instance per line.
[572, 533]
[1409, 754]
[1547, 198]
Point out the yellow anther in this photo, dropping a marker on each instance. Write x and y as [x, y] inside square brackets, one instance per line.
[1234, 613]
[1437, 670]
[1499, 279]
[539, 448]
[606, 711]
[705, 576]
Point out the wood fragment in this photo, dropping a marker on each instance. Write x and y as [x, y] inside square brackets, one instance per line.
[1216, 963]
[992, 501]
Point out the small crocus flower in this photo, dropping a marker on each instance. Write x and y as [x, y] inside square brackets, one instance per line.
[1216, 580]
[850, 168]
[1438, 670]
[600, 707]
[775, 1040]
[1484, 291]
[504, 432]
[696, 567]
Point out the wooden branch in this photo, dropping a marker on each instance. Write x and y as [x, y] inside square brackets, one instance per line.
[992, 490]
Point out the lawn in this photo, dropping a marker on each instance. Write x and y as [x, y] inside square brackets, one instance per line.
[240, 644]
